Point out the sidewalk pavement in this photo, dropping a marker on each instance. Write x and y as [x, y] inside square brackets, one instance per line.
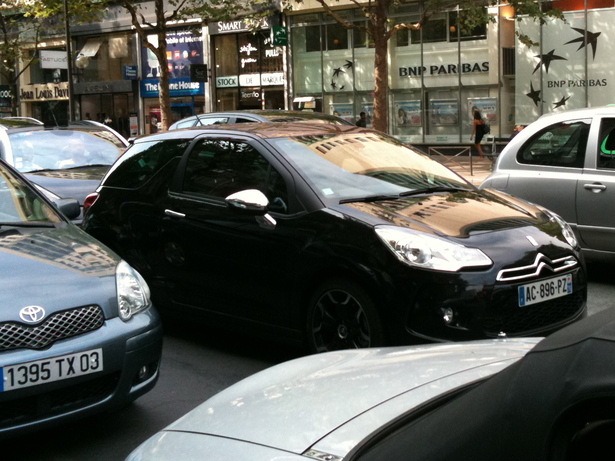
[473, 169]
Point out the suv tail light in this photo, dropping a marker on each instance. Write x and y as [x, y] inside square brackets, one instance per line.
[89, 201]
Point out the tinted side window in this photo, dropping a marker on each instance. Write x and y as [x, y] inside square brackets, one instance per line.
[606, 144]
[186, 123]
[141, 161]
[563, 144]
[212, 121]
[219, 168]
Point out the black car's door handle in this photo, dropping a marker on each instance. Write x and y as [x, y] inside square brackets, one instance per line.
[596, 187]
[174, 214]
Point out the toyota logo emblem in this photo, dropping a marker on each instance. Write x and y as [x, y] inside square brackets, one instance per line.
[32, 314]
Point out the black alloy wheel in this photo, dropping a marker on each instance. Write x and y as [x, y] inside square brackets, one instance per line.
[341, 315]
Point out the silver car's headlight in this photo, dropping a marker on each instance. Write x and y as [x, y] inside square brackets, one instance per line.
[567, 231]
[430, 252]
[133, 295]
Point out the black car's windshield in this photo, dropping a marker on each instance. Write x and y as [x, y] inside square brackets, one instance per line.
[20, 206]
[62, 149]
[354, 166]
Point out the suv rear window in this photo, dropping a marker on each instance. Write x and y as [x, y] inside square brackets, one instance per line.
[563, 144]
[142, 161]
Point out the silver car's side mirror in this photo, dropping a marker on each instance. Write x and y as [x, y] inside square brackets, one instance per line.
[254, 202]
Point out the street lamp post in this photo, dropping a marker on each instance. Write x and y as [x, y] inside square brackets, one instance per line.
[69, 64]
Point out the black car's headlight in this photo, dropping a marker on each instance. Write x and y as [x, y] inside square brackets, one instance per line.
[430, 252]
[567, 231]
[133, 295]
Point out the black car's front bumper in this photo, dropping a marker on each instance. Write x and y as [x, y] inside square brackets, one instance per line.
[472, 305]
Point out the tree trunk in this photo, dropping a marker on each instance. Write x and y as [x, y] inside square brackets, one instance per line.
[378, 26]
[163, 84]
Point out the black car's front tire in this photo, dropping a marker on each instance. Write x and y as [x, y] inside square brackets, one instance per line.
[342, 315]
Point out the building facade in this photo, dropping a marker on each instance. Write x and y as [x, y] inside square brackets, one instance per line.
[437, 75]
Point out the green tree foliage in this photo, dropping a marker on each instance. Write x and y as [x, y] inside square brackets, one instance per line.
[24, 24]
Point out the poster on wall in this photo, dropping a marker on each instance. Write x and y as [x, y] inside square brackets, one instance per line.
[408, 113]
[486, 106]
[444, 111]
[183, 49]
[344, 111]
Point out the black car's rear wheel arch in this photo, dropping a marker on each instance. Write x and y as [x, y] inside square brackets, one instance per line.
[342, 315]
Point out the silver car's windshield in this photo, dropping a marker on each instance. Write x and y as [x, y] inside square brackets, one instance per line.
[350, 166]
[21, 206]
[62, 149]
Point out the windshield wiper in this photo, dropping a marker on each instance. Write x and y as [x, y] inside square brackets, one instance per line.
[409, 193]
[77, 167]
[370, 198]
[431, 190]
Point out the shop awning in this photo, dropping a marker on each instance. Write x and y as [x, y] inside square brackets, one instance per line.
[91, 47]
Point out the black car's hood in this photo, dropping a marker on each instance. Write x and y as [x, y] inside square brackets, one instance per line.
[39, 266]
[457, 214]
[70, 183]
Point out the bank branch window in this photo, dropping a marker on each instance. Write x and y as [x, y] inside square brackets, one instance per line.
[562, 145]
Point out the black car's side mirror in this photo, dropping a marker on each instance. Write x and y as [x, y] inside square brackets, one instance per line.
[252, 201]
[69, 207]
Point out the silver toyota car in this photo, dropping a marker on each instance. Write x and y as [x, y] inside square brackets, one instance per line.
[566, 163]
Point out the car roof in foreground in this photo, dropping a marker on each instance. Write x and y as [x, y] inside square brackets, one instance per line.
[527, 406]
[339, 398]
[262, 130]
[341, 403]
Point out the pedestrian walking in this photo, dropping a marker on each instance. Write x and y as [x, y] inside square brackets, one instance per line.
[478, 131]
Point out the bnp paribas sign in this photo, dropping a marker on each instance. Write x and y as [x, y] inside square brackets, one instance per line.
[444, 69]
[571, 68]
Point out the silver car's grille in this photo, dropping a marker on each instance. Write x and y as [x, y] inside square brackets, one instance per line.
[541, 266]
[57, 326]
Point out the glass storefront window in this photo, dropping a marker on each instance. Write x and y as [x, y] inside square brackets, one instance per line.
[361, 38]
[337, 37]
[311, 37]
[225, 54]
[478, 32]
[434, 30]
[110, 54]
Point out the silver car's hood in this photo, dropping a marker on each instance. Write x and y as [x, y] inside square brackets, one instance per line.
[330, 402]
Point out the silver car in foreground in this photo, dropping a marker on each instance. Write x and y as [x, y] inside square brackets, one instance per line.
[511, 399]
[566, 162]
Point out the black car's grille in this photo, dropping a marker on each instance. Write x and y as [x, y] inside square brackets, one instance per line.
[58, 326]
[516, 321]
[541, 266]
[60, 401]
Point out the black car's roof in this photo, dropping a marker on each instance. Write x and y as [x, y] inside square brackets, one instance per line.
[270, 113]
[262, 130]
